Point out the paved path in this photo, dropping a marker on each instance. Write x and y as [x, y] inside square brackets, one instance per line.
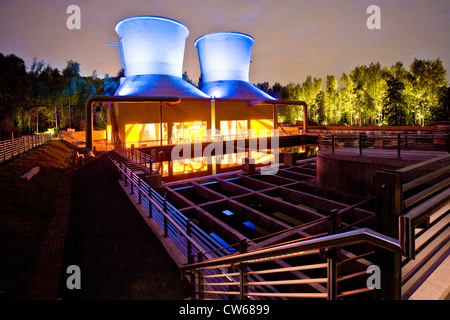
[119, 256]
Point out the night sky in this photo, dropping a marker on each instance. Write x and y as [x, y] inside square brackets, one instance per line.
[293, 38]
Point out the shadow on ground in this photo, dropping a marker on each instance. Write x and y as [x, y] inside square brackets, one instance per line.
[119, 256]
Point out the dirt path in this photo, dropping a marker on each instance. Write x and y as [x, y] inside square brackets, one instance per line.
[118, 255]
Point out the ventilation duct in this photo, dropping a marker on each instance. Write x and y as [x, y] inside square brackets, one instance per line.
[225, 65]
[152, 52]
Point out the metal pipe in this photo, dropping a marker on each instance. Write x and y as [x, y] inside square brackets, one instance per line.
[284, 102]
[122, 99]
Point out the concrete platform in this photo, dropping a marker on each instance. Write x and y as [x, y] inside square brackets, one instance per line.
[437, 285]
[348, 171]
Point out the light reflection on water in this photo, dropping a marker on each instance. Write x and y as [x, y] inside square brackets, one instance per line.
[196, 167]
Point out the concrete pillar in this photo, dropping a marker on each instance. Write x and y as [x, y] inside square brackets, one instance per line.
[249, 167]
[305, 118]
[388, 188]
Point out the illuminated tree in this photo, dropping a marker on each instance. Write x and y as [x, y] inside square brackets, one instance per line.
[332, 112]
[428, 79]
[394, 105]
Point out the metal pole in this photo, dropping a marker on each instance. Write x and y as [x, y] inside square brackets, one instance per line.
[243, 272]
[160, 124]
[332, 256]
[448, 142]
[332, 143]
[200, 277]
[189, 244]
[139, 190]
[360, 144]
[165, 218]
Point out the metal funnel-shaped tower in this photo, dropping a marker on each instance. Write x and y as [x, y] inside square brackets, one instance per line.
[152, 50]
[225, 65]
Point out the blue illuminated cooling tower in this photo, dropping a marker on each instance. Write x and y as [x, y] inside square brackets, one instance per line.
[153, 52]
[225, 65]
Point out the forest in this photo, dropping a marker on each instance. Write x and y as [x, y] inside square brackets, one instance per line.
[45, 98]
[40, 97]
[371, 95]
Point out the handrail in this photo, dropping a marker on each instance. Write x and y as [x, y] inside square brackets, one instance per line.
[435, 203]
[182, 230]
[70, 137]
[423, 163]
[12, 147]
[329, 140]
[330, 241]
[410, 220]
[161, 210]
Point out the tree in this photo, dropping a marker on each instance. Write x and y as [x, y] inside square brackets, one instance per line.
[346, 98]
[393, 103]
[13, 88]
[428, 79]
[71, 75]
[332, 112]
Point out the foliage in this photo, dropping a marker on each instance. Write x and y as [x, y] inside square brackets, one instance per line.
[45, 97]
[370, 95]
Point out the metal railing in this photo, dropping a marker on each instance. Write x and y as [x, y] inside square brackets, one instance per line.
[323, 253]
[13, 147]
[401, 141]
[425, 219]
[139, 157]
[418, 228]
[185, 234]
[71, 140]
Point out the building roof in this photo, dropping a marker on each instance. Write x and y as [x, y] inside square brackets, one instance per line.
[234, 89]
[158, 85]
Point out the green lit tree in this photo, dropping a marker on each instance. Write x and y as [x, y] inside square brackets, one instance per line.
[394, 105]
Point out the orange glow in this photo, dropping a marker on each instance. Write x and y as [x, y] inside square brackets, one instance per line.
[262, 127]
[232, 128]
[193, 130]
[189, 165]
[146, 134]
[109, 133]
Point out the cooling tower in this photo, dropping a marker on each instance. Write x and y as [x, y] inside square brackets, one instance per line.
[153, 52]
[225, 65]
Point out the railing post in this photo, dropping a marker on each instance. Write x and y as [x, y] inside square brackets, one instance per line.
[360, 144]
[448, 142]
[399, 142]
[200, 277]
[388, 189]
[189, 244]
[243, 272]
[332, 143]
[131, 182]
[139, 190]
[332, 257]
[165, 218]
[150, 205]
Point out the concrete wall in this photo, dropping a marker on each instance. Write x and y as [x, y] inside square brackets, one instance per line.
[354, 173]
